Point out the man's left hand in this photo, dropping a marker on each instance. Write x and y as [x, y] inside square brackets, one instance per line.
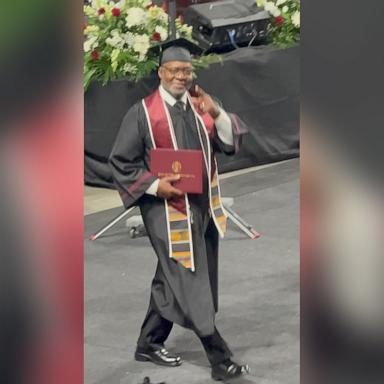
[204, 102]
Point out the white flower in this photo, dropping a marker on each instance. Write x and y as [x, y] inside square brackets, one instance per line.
[116, 40]
[296, 19]
[135, 16]
[268, 5]
[157, 13]
[129, 68]
[162, 31]
[120, 4]
[102, 3]
[186, 30]
[90, 11]
[141, 45]
[146, 3]
[129, 38]
[285, 9]
[90, 44]
[280, 2]
[91, 30]
[272, 9]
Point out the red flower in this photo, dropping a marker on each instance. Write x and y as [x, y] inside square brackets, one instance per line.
[101, 11]
[156, 36]
[95, 55]
[165, 7]
[116, 12]
[279, 20]
[181, 18]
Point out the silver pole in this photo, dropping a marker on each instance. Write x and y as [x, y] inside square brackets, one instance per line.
[112, 223]
[243, 225]
[172, 16]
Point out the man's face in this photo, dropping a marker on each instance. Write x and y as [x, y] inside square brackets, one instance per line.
[176, 77]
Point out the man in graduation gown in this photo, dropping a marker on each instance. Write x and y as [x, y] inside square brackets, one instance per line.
[184, 290]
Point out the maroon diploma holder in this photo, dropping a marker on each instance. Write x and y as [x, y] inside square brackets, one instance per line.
[184, 162]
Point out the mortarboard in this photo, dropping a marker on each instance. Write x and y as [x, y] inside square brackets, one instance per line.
[179, 49]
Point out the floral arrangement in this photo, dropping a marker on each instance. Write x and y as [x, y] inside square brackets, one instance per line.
[284, 28]
[118, 37]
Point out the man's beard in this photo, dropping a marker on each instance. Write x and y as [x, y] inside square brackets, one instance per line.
[178, 93]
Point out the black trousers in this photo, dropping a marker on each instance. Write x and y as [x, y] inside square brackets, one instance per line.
[155, 330]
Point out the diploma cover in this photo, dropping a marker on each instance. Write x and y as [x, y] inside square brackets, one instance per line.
[184, 162]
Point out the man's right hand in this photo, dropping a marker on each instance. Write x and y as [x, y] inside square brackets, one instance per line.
[165, 188]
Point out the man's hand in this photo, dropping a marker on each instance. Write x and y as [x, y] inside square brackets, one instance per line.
[165, 188]
[204, 102]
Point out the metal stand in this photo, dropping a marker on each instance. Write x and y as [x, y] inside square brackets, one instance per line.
[112, 223]
[233, 216]
[242, 224]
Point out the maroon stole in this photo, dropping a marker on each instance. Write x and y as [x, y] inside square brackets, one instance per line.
[178, 210]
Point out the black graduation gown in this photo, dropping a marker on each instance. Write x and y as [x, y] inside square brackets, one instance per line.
[187, 298]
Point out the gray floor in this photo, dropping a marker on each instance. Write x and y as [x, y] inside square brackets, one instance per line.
[259, 291]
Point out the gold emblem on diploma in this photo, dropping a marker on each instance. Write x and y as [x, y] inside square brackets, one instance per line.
[176, 166]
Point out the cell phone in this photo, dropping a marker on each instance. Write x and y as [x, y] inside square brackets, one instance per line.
[192, 90]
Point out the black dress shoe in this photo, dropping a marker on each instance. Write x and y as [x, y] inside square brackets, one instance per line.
[159, 356]
[228, 370]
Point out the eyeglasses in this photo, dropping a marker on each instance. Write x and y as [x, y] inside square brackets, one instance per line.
[175, 71]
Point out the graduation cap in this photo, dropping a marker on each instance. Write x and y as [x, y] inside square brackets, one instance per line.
[179, 49]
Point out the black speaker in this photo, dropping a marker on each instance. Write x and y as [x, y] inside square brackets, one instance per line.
[221, 26]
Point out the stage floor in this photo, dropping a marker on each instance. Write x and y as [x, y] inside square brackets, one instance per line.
[259, 290]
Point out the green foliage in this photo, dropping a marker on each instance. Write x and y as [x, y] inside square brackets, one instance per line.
[205, 61]
[119, 37]
[284, 27]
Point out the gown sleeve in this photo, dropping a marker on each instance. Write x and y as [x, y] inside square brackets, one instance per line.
[128, 159]
[238, 127]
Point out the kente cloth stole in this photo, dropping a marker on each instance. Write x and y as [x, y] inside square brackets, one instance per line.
[178, 213]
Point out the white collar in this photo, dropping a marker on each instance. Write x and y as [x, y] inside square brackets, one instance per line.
[170, 99]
